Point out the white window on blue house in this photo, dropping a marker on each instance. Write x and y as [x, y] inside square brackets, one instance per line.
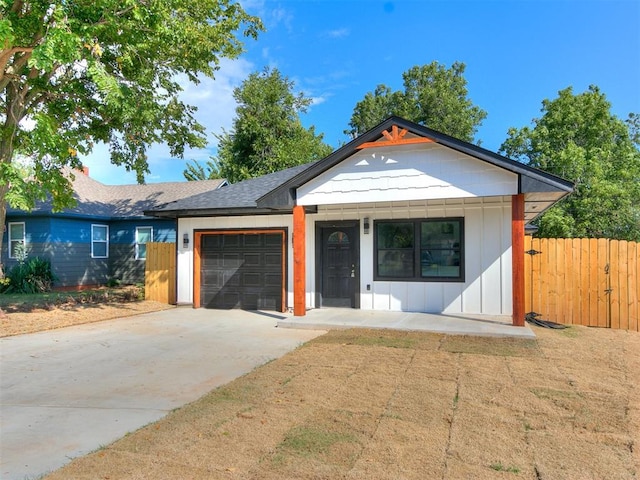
[17, 239]
[99, 241]
[143, 235]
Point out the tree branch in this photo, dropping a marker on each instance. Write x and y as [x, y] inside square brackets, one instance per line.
[17, 6]
[5, 57]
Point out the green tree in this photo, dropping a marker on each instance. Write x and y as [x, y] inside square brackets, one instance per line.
[578, 138]
[196, 171]
[433, 96]
[267, 134]
[78, 72]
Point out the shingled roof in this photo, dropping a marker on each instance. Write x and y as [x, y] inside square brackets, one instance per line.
[97, 200]
[238, 198]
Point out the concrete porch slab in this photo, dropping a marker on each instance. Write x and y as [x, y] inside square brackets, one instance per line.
[342, 318]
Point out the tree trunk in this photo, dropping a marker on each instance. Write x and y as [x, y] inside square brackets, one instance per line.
[13, 114]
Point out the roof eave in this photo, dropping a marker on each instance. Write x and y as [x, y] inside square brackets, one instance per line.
[529, 178]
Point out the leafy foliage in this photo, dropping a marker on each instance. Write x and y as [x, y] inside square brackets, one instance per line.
[267, 134]
[197, 171]
[578, 138]
[74, 73]
[434, 96]
[31, 276]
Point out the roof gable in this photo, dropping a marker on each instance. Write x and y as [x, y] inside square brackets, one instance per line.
[541, 189]
[404, 172]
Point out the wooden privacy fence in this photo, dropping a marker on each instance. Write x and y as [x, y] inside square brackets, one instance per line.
[583, 281]
[160, 272]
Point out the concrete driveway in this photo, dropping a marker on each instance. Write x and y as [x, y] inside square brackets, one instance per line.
[67, 392]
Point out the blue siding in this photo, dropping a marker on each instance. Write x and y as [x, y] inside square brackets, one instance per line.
[36, 231]
[67, 243]
[36, 228]
[124, 232]
[71, 230]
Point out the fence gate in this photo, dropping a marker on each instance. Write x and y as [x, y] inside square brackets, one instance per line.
[583, 281]
[160, 272]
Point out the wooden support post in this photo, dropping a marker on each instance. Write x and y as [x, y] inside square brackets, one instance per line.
[299, 262]
[517, 261]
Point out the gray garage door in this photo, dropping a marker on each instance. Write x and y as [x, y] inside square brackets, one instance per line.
[242, 270]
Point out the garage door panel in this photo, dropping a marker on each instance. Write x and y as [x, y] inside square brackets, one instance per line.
[213, 278]
[242, 270]
[252, 259]
[252, 240]
[211, 259]
[272, 259]
[251, 279]
[272, 240]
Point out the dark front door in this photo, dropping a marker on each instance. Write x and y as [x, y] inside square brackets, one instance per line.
[339, 270]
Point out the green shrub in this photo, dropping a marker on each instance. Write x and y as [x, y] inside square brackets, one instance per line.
[31, 276]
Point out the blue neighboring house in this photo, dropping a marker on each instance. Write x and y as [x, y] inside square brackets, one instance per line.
[103, 237]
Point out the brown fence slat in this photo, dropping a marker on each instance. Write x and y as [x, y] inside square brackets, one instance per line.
[160, 272]
[592, 282]
[527, 278]
[576, 280]
[535, 266]
[622, 295]
[602, 282]
[633, 263]
[584, 314]
[614, 288]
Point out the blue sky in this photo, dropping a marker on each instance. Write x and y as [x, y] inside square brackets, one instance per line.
[517, 53]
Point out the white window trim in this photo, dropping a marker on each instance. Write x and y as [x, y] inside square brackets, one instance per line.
[11, 240]
[137, 243]
[100, 241]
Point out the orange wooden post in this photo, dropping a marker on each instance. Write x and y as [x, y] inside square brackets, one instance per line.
[517, 261]
[197, 263]
[299, 261]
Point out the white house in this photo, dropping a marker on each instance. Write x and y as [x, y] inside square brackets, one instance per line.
[403, 218]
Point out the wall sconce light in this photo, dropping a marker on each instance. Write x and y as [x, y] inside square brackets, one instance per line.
[185, 240]
[366, 225]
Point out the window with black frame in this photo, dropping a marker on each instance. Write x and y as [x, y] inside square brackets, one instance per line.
[420, 250]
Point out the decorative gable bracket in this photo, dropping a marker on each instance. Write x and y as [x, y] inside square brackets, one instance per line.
[394, 137]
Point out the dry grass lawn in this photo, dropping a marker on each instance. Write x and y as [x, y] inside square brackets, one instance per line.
[66, 315]
[371, 404]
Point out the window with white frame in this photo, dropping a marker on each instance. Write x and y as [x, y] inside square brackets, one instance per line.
[99, 241]
[17, 239]
[143, 235]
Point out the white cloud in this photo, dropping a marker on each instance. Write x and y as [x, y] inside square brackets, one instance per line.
[319, 100]
[338, 33]
[279, 16]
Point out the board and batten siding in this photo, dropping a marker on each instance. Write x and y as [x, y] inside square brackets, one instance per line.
[487, 248]
[485, 291]
[412, 172]
[185, 255]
